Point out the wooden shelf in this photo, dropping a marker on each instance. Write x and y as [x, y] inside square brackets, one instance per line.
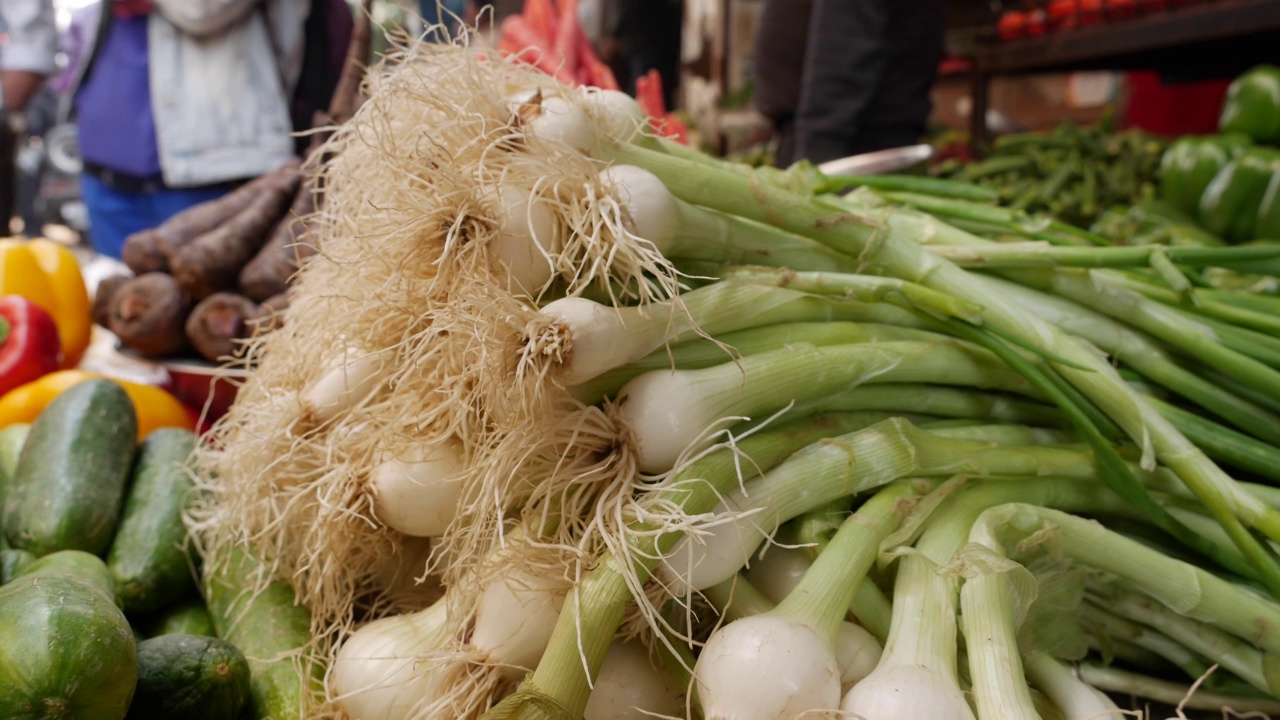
[1209, 40]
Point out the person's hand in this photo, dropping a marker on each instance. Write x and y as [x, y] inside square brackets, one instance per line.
[18, 87]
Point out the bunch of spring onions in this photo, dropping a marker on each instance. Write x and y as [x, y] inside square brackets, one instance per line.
[695, 440]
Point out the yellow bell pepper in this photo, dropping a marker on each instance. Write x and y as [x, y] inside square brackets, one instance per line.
[47, 274]
[155, 407]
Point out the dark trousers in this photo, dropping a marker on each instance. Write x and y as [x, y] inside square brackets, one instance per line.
[8, 176]
[868, 71]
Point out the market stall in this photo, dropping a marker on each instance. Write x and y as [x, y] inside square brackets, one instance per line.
[506, 402]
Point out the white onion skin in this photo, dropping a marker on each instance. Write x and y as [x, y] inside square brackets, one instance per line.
[858, 652]
[515, 616]
[418, 494]
[777, 571]
[662, 428]
[561, 121]
[525, 241]
[353, 376]
[617, 113]
[376, 674]
[599, 341]
[649, 205]
[900, 691]
[767, 667]
[629, 687]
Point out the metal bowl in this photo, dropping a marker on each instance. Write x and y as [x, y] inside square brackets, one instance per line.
[903, 160]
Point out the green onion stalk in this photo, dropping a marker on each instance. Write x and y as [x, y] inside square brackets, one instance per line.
[1126, 682]
[1135, 349]
[738, 672]
[1259, 669]
[1042, 255]
[594, 609]
[1111, 634]
[883, 453]
[856, 462]
[918, 674]
[706, 352]
[886, 253]
[667, 411]
[1182, 588]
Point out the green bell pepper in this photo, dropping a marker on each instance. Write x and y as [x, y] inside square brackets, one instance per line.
[1252, 105]
[1268, 227]
[1190, 163]
[1229, 206]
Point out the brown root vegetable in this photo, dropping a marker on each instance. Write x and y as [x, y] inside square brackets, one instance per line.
[218, 323]
[292, 241]
[271, 313]
[148, 314]
[152, 250]
[142, 252]
[102, 298]
[212, 262]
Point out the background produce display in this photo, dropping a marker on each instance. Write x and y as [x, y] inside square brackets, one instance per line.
[583, 423]
[205, 279]
[1230, 182]
[99, 610]
[1074, 173]
[207, 276]
[488, 477]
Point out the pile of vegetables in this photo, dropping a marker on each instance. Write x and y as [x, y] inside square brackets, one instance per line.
[1073, 173]
[567, 420]
[209, 277]
[47, 277]
[205, 277]
[45, 328]
[100, 616]
[1230, 182]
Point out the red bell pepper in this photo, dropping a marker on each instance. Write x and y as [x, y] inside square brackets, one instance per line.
[29, 344]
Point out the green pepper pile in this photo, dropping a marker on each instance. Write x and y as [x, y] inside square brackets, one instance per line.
[1073, 173]
[1230, 182]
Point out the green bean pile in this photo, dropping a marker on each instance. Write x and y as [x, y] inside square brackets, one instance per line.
[1073, 173]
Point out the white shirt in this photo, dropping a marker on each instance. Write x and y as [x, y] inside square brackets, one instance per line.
[28, 36]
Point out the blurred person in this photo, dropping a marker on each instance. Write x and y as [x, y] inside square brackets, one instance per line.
[644, 35]
[178, 101]
[777, 66]
[450, 14]
[28, 48]
[868, 68]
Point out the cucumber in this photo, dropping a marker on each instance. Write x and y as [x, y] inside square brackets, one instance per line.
[269, 627]
[11, 440]
[70, 478]
[12, 563]
[66, 651]
[76, 565]
[189, 618]
[191, 677]
[147, 556]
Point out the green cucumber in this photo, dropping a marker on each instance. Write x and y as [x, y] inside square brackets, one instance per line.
[11, 440]
[189, 618]
[12, 563]
[147, 556]
[76, 565]
[191, 677]
[66, 651]
[70, 479]
[269, 626]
